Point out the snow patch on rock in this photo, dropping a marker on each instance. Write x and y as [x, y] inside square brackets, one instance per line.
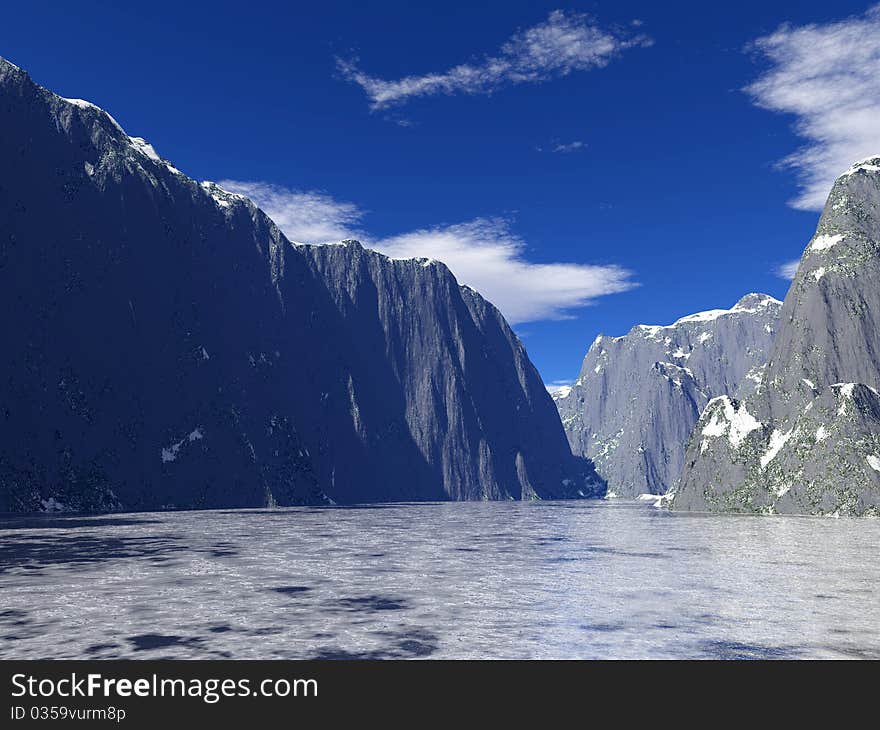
[727, 419]
[778, 439]
[825, 241]
[147, 150]
[170, 453]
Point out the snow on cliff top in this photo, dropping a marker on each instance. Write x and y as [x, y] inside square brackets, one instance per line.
[869, 164]
[558, 391]
[83, 104]
[749, 304]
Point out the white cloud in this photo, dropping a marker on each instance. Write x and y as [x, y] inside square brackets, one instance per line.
[570, 146]
[484, 254]
[563, 43]
[304, 216]
[788, 270]
[828, 76]
[487, 256]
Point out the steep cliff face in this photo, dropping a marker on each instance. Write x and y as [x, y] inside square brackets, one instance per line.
[638, 397]
[166, 346]
[813, 442]
[432, 369]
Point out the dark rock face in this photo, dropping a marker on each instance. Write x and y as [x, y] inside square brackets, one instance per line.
[167, 347]
[811, 439]
[638, 397]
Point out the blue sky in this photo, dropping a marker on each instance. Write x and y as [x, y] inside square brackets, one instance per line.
[588, 166]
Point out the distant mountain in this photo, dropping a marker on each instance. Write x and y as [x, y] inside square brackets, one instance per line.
[808, 440]
[165, 346]
[638, 397]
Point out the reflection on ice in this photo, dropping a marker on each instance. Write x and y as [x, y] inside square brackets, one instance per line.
[458, 580]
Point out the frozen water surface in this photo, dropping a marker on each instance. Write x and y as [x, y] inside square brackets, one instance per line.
[455, 580]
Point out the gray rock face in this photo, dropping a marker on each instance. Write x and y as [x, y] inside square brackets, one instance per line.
[166, 346]
[638, 397]
[808, 440]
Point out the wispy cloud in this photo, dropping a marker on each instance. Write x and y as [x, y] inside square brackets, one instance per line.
[828, 76]
[563, 43]
[788, 269]
[485, 254]
[570, 146]
[304, 216]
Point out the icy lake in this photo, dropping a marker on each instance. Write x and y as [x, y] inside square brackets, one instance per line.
[454, 580]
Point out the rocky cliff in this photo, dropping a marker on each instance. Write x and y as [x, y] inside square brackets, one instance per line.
[808, 440]
[638, 396]
[165, 346]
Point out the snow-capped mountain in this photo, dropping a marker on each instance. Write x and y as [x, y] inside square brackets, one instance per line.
[638, 396]
[808, 440]
[166, 346]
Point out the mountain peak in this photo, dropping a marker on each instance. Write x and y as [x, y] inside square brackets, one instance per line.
[749, 304]
[852, 204]
[755, 300]
[869, 164]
